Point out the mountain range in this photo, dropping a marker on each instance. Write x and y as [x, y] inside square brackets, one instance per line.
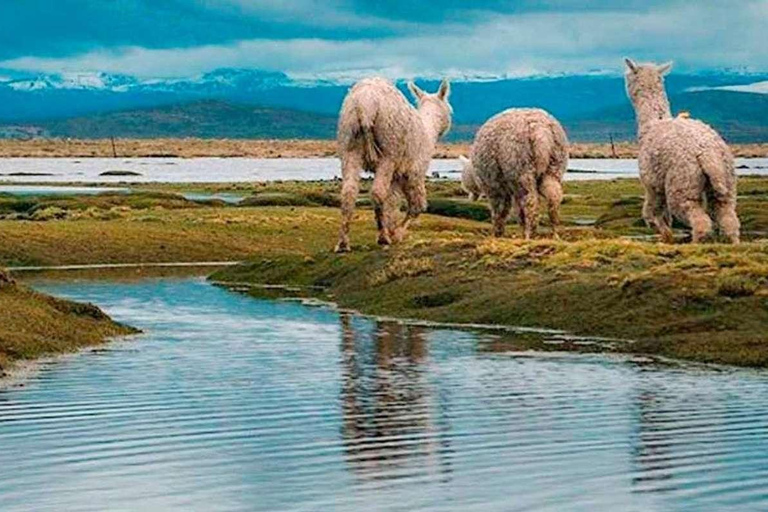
[240, 103]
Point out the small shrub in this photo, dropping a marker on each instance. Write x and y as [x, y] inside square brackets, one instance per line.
[736, 286]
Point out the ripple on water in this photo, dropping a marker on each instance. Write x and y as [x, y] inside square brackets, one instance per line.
[231, 403]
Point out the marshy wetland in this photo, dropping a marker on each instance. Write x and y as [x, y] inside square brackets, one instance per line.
[519, 359]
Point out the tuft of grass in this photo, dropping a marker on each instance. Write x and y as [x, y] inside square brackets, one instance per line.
[33, 325]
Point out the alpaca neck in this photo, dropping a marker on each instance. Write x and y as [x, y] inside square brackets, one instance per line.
[430, 117]
[650, 110]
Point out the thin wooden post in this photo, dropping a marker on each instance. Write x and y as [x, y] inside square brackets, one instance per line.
[114, 151]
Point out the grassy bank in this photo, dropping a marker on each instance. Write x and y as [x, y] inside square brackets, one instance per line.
[192, 148]
[608, 277]
[33, 325]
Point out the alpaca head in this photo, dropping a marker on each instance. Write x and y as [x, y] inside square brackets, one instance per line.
[645, 86]
[434, 108]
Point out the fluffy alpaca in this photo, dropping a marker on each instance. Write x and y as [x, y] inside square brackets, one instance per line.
[381, 132]
[683, 162]
[517, 155]
[469, 181]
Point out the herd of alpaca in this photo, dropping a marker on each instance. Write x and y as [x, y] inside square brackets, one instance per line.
[521, 154]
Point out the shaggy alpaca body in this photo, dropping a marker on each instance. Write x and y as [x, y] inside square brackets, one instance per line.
[518, 155]
[685, 166]
[381, 132]
[469, 181]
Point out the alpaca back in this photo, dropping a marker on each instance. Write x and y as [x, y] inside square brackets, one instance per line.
[378, 120]
[682, 154]
[516, 142]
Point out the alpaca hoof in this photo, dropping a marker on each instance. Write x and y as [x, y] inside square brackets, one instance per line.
[342, 247]
[398, 235]
[384, 240]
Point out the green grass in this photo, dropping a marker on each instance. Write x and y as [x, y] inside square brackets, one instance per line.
[33, 325]
[607, 277]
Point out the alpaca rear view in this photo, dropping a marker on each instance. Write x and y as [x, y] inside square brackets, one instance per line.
[381, 132]
[518, 155]
[685, 166]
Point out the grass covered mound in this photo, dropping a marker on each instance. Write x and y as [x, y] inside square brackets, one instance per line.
[704, 303]
[34, 325]
[608, 277]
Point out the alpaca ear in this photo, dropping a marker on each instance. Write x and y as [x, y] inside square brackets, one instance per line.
[445, 90]
[418, 94]
[630, 64]
[665, 68]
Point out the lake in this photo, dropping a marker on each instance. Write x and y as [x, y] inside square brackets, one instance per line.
[225, 170]
[229, 403]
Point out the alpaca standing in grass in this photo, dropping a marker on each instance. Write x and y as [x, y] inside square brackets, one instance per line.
[381, 132]
[469, 181]
[517, 155]
[683, 162]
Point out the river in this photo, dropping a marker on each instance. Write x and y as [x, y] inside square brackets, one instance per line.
[230, 403]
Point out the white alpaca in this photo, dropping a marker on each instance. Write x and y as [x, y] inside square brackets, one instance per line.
[683, 162]
[381, 132]
[469, 181]
[518, 155]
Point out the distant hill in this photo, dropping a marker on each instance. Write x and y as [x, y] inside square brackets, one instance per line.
[236, 103]
[739, 117]
[203, 119]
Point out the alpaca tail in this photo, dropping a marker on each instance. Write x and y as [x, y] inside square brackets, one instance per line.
[542, 146]
[371, 150]
[719, 176]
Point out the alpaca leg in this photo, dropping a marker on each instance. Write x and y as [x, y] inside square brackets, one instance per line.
[551, 189]
[392, 210]
[351, 166]
[725, 213]
[653, 214]
[500, 207]
[415, 191]
[701, 224]
[527, 197]
[380, 195]
[472, 197]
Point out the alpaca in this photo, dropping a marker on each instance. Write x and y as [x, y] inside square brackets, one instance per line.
[684, 163]
[381, 132]
[469, 181]
[517, 155]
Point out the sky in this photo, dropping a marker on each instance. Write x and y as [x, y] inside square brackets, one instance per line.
[343, 39]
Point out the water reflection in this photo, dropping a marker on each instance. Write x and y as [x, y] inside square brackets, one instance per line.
[389, 428]
[231, 403]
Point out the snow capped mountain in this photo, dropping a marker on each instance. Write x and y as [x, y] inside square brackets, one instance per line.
[216, 81]
[94, 81]
[754, 88]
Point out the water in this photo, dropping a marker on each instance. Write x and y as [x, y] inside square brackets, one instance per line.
[58, 190]
[226, 170]
[228, 403]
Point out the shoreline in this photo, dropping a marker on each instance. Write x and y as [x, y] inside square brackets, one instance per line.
[607, 277]
[267, 148]
[34, 325]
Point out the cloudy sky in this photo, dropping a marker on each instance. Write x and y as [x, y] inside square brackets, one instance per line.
[399, 38]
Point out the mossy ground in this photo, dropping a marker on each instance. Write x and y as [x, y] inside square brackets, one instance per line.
[34, 325]
[607, 277]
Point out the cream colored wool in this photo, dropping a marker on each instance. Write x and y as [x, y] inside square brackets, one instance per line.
[469, 181]
[381, 132]
[685, 166]
[517, 155]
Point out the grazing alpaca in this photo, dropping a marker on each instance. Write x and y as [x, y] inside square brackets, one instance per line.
[517, 155]
[469, 181]
[683, 162]
[381, 132]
